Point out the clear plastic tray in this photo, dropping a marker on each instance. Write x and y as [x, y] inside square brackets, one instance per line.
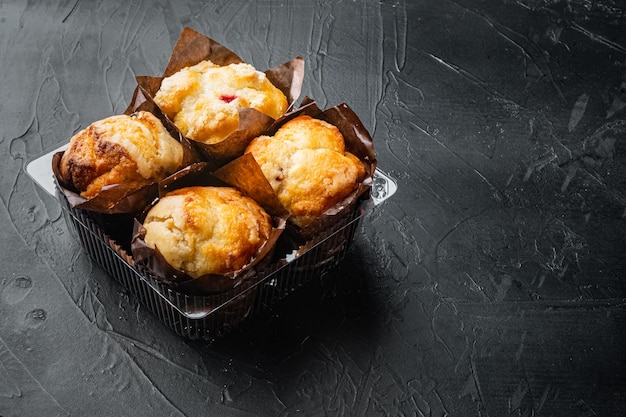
[209, 316]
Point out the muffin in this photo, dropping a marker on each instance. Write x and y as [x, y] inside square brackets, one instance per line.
[130, 150]
[202, 230]
[203, 100]
[308, 167]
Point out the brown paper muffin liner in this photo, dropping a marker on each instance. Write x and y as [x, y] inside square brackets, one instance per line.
[192, 48]
[245, 173]
[199, 174]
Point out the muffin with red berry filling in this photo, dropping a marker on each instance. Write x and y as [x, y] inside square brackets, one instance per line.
[203, 100]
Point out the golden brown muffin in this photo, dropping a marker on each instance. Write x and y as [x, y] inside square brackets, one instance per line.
[132, 150]
[207, 230]
[202, 100]
[307, 166]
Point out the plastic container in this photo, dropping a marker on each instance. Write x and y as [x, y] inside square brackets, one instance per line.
[209, 316]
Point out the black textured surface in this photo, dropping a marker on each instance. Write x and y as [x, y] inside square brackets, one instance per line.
[491, 284]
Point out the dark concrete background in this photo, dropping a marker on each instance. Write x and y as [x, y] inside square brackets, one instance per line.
[491, 284]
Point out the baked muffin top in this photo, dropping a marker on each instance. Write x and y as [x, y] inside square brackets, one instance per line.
[131, 150]
[202, 100]
[308, 167]
[207, 230]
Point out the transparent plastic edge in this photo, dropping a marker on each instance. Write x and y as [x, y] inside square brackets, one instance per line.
[39, 169]
[383, 187]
